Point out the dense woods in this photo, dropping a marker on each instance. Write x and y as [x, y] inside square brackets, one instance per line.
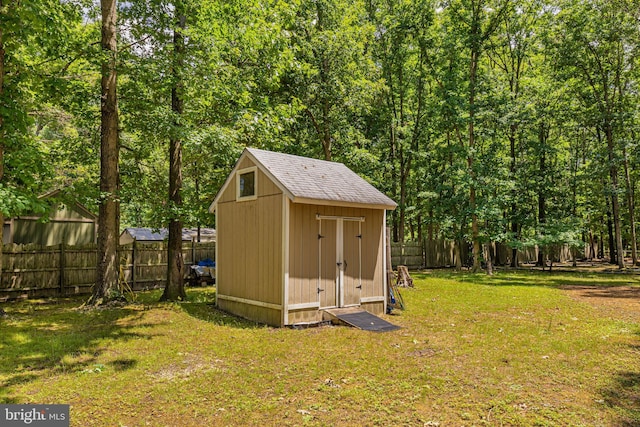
[486, 120]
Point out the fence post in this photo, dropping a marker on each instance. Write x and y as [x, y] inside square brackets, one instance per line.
[62, 265]
[133, 264]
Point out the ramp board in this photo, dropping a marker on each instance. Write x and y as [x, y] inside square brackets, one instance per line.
[362, 319]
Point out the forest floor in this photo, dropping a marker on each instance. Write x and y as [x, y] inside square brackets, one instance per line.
[522, 347]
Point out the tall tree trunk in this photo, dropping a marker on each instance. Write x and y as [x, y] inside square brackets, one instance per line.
[631, 202]
[2, 138]
[457, 253]
[514, 206]
[477, 38]
[325, 135]
[404, 174]
[601, 245]
[394, 182]
[174, 289]
[615, 204]
[613, 256]
[106, 287]
[489, 251]
[475, 231]
[543, 134]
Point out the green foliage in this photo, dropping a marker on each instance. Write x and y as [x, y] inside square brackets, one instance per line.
[37, 39]
[383, 86]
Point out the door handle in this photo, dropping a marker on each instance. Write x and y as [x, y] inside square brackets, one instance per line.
[320, 290]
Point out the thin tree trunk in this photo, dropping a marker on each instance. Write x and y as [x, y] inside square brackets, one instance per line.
[612, 246]
[615, 204]
[2, 139]
[542, 200]
[601, 245]
[514, 206]
[394, 181]
[489, 249]
[403, 196]
[457, 252]
[631, 202]
[475, 231]
[106, 287]
[325, 136]
[174, 289]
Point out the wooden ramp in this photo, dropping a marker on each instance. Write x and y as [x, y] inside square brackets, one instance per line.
[360, 319]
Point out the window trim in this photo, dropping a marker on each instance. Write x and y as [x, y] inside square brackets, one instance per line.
[254, 196]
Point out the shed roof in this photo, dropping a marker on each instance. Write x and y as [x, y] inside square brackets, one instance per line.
[307, 180]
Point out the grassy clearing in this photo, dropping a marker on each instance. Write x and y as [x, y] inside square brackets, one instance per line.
[514, 349]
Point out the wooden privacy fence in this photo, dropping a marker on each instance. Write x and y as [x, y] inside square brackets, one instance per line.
[48, 271]
[437, 253]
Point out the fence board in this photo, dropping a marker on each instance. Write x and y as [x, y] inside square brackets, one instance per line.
[438, 253]
[49, 271]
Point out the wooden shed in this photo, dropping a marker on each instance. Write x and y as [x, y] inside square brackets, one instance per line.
[297, 236]
[68, 223]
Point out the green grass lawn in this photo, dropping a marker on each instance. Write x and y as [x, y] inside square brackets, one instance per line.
[513, 349]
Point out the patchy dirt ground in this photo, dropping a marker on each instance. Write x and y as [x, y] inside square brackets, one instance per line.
[618, 302]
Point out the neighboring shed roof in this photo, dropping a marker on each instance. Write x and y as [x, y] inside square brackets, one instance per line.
[79, 207]
[147, 234]
[151, 235]
[206, 234]
[307, 180]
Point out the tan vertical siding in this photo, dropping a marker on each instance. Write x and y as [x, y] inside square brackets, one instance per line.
[251, 312]
[305, 316]
[250, 242]
[372, 255]
[327, 280]
[249, 262]
[374, 307]
[303, 256]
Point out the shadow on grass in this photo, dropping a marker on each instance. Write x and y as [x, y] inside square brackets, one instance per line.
[43, 337]
[623, 394]
[120, 365]
[522, 277]
[606, 292]
[200, 304]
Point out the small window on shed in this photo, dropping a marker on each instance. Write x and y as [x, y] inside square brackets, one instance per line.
[246, 184]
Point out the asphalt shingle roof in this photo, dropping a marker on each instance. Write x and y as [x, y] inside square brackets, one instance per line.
[312, 179]
[152, 235]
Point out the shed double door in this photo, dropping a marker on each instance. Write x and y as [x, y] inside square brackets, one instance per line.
[340, 248]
